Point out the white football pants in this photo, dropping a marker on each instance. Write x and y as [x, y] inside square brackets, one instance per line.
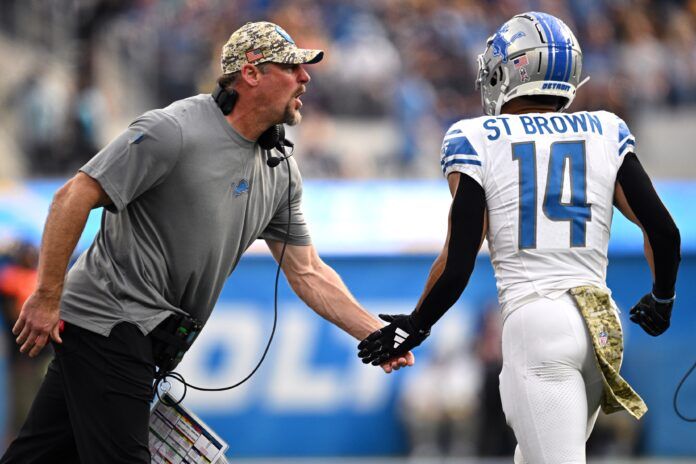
[550, 384]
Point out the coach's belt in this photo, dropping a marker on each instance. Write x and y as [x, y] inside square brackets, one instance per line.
[605, 328]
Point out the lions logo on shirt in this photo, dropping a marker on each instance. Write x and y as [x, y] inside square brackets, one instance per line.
[242, 187]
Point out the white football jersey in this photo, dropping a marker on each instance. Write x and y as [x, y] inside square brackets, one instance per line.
[549, 183]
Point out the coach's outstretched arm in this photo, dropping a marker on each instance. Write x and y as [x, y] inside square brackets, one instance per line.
[321, 288]
[636, 198]
[447, 279]
[66, 219]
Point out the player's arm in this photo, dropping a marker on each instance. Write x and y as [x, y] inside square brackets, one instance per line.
[452, 268]
[448, 276]
[636, 198]
[321, 288]
[65, 222]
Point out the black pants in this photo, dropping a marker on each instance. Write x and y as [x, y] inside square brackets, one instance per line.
[94, 404]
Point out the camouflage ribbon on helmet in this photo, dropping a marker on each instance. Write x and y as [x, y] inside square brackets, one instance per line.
[603, 323]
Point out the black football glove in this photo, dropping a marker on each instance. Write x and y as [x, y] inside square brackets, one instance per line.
[652, 315]
[393, 340]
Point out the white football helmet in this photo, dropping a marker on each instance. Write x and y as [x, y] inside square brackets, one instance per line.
[531, 54]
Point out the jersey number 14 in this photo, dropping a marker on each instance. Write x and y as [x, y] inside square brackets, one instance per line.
[577, 212]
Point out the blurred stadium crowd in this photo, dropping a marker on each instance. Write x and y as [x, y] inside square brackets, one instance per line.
[397, 72]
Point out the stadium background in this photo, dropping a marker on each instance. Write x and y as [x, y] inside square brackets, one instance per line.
[397, 73]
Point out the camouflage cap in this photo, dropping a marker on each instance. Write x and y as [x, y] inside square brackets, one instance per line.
[263, 42]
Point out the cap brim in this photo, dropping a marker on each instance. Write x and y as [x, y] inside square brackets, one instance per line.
[308, 56]
[295, 56]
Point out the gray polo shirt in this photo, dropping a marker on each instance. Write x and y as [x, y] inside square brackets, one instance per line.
[190, 195]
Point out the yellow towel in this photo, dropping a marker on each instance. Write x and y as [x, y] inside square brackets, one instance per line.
[605, 328]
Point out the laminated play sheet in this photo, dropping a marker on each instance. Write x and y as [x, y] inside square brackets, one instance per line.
[178, 436]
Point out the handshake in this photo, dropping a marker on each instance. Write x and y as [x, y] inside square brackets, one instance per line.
[392, 342]
[390, 346]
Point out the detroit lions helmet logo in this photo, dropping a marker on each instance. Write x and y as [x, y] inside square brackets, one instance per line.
[500, 45]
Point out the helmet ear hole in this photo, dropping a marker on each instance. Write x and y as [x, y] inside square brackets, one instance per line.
[495, 77]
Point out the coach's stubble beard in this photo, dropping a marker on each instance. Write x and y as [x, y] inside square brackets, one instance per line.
[292, 116]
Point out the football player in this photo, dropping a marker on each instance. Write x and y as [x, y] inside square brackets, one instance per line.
[540, 185]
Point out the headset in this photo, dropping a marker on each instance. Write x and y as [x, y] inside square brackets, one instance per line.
[225, 100]
[273, 137]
